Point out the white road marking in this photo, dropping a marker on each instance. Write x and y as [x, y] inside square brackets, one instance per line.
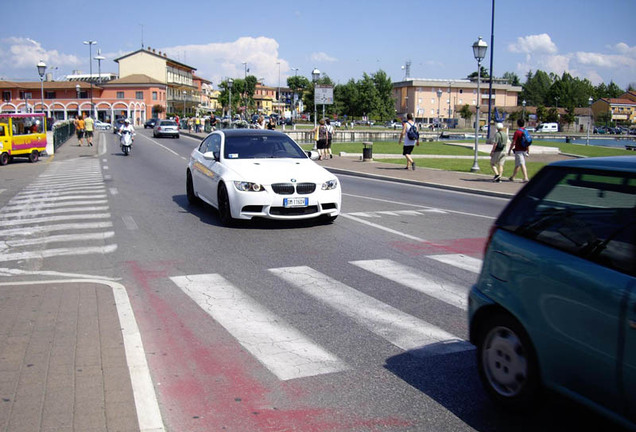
[18, 207]
[461, 261]
[6, 223]
[285, 351]
[30, 211]
[52, 228]
[399, 328]
[56, 239]
[419, 281]
[383, 228]
[130, 222]
[48, 253]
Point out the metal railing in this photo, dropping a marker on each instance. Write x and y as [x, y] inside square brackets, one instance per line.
[62, 132]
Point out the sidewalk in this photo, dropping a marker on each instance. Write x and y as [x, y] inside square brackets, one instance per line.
[63, 362]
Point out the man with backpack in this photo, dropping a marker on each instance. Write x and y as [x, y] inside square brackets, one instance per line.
[498, 154]
[521, 141]
[411, 138]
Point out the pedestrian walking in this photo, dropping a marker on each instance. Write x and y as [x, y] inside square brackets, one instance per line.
[271, 125]
[329, 138]
[260, 122]
[411, 138]
[79, 128]
[521, 152]
[89, 127]
[498, 153]
[320, 135]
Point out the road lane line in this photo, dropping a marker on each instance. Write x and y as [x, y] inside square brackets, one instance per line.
[282, 349]
[57, 239]
[51, 228]
[401, 329]
[49, 253]
[380, 227]
[419, 281]
[6, 223]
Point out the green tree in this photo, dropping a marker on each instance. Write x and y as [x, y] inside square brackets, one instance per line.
[513, 78]
[542, 113]
[569, 116]
[465, 112]
[536, 88]
[484, 74]
[386, 103]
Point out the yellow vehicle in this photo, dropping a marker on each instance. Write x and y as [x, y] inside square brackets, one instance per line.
[22, 135]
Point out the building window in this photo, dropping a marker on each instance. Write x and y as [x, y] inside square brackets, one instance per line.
[6, 96]
[154, 95]
[49, 95]
[120, 95]
[139, 95]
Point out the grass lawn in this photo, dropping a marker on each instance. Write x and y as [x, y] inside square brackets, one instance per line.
[464, 165]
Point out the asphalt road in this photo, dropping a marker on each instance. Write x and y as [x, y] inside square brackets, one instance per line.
[356, 325]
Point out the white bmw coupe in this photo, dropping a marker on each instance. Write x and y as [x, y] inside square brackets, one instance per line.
[248, 173]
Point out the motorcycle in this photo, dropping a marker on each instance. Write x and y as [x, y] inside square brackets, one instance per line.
[125, 141]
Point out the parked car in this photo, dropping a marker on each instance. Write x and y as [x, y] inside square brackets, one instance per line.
[554, 307]
[548, 127]
[166, 128]
[100, 125]
[255, 173]
[150, 123]
[336, 123]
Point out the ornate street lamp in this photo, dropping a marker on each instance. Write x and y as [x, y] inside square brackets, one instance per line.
[41, 72]
[315, 75]
[479, 51]
[523, 103]
[90, 44]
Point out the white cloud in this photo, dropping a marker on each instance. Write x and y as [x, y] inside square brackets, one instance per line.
[321, 57]
[218, 61]
[22, 54]
[534, 44]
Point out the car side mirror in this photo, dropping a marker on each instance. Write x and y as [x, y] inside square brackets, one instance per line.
[313, 155]
[211, 156]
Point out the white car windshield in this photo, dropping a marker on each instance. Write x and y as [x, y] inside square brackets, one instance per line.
[262, 147]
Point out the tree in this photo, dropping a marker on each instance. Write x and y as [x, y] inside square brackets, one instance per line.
[542, 113]
[536, 88]
[465, 112]
[513, 78]
[157, 109]
[484, 74]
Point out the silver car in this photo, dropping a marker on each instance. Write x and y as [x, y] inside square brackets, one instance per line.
[166, 128]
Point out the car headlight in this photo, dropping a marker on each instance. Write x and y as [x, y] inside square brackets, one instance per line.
[330, 184]
[248, 186]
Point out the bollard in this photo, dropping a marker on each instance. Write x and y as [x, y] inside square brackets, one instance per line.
[367, 151]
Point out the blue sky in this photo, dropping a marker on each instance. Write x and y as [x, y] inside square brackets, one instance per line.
[588, 38]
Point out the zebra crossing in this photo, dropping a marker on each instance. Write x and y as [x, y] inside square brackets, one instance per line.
[288, 353]
[64, 212]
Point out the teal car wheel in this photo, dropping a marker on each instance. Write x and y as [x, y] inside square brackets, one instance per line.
[507, 363]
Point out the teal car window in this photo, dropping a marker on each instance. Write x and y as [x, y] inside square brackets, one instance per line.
[587, 213]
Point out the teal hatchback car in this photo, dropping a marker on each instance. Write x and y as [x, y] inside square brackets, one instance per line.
[554, 307]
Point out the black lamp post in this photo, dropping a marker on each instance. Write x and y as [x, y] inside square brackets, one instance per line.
[230, 82]
[90, 44]
[315, 75]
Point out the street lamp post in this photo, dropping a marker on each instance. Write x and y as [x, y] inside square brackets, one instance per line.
[523, 116]
[439, 100]
[184, 100]
[90, 44]
[229, 86]
[449, 104]
[479, 51]
[41, 72]
[315, 75]
[589, 124]
[77, 91]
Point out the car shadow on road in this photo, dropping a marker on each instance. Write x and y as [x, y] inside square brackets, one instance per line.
[452, 381]
[209, 215]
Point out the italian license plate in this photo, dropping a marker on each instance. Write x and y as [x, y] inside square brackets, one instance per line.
[295, 202]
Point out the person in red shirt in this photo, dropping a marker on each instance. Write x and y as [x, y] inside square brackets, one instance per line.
[521, 153]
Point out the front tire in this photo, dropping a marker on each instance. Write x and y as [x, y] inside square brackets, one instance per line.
[192, 197]
[125, 150]
[4, 158]
[507, 363]
[225, 212]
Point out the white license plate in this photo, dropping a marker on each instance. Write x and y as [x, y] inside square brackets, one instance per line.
[295, 202]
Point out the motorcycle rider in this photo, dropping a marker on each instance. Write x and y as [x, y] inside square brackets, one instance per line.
[128, 128]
